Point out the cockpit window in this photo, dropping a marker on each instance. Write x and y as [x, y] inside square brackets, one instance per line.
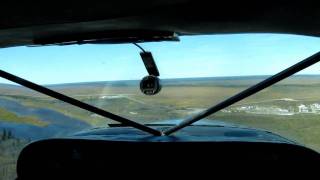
[195, 73]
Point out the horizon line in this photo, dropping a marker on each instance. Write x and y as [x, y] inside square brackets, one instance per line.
[70, 83]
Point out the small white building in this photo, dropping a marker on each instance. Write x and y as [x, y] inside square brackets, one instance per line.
[303, 108]
[315, 107]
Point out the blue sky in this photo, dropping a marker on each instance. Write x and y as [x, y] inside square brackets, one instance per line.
[193, 56]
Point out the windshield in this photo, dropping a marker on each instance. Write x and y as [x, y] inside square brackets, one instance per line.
[196, 73]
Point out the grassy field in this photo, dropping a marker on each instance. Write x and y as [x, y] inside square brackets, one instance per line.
[290, 108]
[302, 128]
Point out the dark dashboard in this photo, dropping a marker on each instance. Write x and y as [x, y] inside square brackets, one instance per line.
[114, 151]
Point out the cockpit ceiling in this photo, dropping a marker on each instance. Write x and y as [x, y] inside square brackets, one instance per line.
[31, 23]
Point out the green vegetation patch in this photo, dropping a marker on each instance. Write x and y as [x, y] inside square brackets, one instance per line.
[12, 117]
[303, 128]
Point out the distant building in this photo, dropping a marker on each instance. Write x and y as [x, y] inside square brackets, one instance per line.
[315, 107]
[303, 108]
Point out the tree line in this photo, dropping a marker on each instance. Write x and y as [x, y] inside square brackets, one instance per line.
[6, 134]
